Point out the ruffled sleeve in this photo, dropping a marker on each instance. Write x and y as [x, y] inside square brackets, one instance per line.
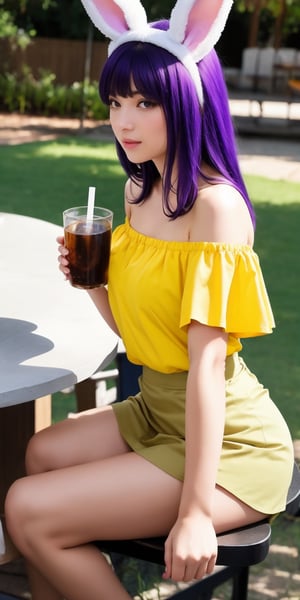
[224, 287]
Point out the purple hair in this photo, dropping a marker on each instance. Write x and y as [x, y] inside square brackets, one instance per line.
[193, 135]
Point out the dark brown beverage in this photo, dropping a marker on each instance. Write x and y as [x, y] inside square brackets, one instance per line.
[89, 250]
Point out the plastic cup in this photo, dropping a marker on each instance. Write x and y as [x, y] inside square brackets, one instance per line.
[88, 242]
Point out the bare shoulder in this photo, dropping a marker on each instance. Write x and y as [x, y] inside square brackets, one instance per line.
[131, 192]
[220, 214]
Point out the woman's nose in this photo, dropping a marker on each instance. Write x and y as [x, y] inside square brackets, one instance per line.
[125, 119]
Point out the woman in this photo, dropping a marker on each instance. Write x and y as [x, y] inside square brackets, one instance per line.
[185, 456]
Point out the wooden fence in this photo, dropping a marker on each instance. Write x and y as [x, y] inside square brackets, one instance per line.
[65, 58]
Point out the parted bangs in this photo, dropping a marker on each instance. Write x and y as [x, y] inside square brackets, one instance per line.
[194, 136]
[160, 77]
[139, 63]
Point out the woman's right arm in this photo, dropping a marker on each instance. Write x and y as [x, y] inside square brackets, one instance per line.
[100, 299]
[98, 295]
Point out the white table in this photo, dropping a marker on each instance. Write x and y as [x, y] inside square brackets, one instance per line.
[51, 336]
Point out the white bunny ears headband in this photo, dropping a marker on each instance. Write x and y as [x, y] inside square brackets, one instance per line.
[194, 28]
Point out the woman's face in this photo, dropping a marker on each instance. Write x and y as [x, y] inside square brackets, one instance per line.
[140, 127]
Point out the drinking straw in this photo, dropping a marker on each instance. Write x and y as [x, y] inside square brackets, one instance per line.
[91, 203]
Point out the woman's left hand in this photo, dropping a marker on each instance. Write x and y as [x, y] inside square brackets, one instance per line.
[190, 549]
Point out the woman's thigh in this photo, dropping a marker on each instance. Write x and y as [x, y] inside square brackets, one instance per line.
[86, 437]
[119, 497]
[113, 498]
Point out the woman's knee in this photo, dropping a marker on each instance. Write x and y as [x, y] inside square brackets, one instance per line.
[38, 454]
[46, 449]
[19, 512]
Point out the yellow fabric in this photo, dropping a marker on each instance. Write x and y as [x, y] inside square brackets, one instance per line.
[157, 287]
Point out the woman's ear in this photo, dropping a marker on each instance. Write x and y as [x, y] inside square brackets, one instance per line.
[198, 24]
[114, 17]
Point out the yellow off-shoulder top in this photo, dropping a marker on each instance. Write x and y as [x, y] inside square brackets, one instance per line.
[156, 287]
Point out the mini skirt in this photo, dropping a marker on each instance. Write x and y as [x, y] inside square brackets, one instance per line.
[257, 457]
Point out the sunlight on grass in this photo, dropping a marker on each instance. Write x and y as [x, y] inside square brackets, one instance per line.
[43, 178]
[262, 190]
[74, 148]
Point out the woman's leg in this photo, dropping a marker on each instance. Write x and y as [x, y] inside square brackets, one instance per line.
[53, 516]
[230, 513]
[72, 441]
[87, 436]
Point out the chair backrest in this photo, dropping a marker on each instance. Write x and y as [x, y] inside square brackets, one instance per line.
[266, 61]
[249, 62]
[286, 56]
[128, 375]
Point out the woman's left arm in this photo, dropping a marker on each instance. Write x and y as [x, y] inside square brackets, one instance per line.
[191, 547]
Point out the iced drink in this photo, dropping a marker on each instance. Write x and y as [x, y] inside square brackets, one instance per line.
[88, 243]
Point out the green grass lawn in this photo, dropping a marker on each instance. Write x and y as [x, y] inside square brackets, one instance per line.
[44, 178]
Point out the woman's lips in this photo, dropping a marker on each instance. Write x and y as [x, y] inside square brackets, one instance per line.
[130, 144]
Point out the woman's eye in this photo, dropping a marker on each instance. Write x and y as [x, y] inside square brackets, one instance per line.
[147, 104]
[113, 103]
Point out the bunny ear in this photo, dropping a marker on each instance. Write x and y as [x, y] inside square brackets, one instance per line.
[198, 24]
[114, 17]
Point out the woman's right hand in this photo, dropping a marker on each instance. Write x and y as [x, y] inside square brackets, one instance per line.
[63, 257]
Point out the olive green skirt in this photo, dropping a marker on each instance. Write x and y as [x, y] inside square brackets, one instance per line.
[257, 456]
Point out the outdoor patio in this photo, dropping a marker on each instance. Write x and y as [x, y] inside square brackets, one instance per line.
[269, 146]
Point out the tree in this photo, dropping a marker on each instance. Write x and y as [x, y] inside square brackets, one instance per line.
[280, 17]
[9, 30]
[158, 9]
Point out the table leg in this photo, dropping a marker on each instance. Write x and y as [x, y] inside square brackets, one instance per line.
[17, 424]
[86, 394]
[42, 413]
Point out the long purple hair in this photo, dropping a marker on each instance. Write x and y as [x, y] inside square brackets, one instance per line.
[194, 135]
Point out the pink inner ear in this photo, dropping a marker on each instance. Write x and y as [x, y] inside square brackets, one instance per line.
[201, 18]
[112, 14]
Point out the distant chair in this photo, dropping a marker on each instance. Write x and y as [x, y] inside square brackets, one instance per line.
[294, 86]
[285, 66]
[265, 68]
[285, 56]
[296, 70]
[232, 77]
[249, 68]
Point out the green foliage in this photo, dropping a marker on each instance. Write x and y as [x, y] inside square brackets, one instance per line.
[269, 12]
[51, 18]
[18, 37]
[157, 9]
[43, 96]
[7, 26]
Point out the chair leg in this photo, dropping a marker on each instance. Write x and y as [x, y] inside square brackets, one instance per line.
[240, 584]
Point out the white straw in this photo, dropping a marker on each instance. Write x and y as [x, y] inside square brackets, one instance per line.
[91, 203]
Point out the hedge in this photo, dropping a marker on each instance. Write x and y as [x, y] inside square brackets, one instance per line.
[42, 96]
